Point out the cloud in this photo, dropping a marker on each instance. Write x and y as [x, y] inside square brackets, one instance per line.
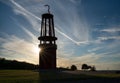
[111, 30]
[87, 58]
[70, 25]
[63, 62]
[97, 60]
[22, 10]
[93, 58]
[35, 21]
[112, 34]
[74, 41]
[94, 49]
[108, 38]
[75, 1]
[17, 48]
[30, 34]
[90, 59]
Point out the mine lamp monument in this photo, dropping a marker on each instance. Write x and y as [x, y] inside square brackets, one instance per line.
[47, 55]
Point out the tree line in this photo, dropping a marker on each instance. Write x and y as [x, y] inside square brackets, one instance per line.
[13, 64]
[84, 67]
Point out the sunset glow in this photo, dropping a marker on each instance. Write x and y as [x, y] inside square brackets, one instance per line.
[88, 31]
[36, 50]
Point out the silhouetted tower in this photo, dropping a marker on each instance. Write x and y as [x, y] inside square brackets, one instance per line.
[47, 55]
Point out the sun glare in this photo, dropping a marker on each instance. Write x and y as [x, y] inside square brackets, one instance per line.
[36, 50]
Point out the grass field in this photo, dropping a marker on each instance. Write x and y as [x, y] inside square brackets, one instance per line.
[18, 76]
[29, 76]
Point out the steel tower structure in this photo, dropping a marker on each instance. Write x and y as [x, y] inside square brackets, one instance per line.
[47, 55]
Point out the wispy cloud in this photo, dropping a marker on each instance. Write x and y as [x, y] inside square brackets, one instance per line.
[74, 24]
[30, 34]
[63, 62]
[33, 19]
[72, 30]
[111, 37]
[36, 24]
[108, 34]
[20, 49]
[111, 30]
[94, 49]
[89, 59]
[23, 10]
[77, 43]
[97, 60]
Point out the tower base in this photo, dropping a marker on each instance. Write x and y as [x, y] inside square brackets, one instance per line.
[47, 56]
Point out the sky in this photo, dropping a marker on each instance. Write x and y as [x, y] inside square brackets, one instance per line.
[88, 31]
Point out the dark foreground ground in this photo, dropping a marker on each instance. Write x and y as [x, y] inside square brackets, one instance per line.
[29, 76]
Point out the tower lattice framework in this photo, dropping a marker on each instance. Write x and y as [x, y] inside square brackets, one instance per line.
[47, 55]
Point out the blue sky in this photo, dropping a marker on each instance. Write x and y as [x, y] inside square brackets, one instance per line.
[88, 31]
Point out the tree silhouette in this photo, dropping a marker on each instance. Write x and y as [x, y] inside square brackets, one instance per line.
[93, 68]
[73, 67]
[86, 67]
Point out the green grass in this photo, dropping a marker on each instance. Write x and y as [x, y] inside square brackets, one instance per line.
[18, 76]
[113, 75]
[29, 76]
